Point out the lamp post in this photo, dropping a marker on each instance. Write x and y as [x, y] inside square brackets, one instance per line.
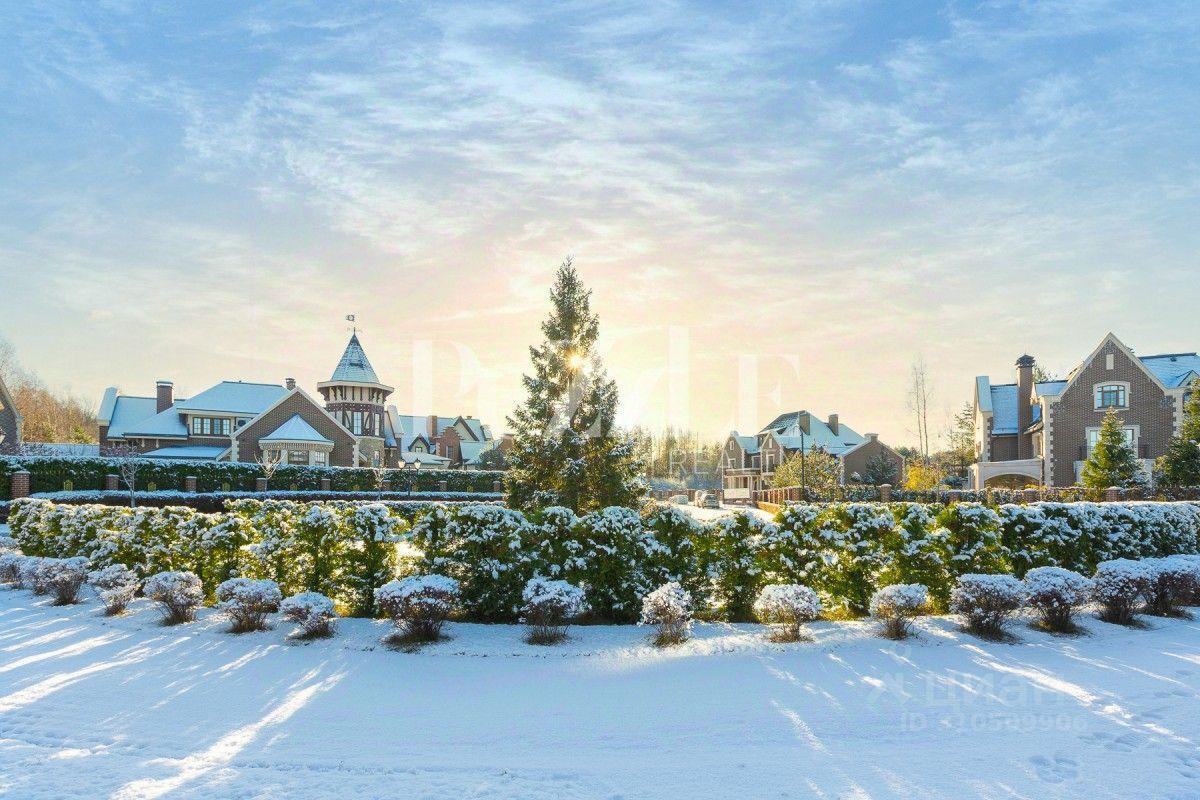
[803, 475]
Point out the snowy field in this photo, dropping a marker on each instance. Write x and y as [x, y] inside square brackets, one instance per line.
[125, 708]
[707, 514]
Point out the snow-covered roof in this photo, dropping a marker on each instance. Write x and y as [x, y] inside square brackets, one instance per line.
[167, 423]
[127, 410]
[1173, 369]
[471, 451]
[1050, 388]
[790, 433]
[354, 366]
[408, 427]
[295, 430]
[234, 397]
[747, 443]
[1004, 404]
[431, 459]
[477, 428]
[190, 452]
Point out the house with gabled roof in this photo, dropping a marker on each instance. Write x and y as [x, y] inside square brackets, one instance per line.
[10, 420]
[238, 421]
[1041, 432]
[748, 462]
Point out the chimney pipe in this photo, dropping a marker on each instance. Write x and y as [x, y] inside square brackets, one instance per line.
[833, 424]
[164, 396]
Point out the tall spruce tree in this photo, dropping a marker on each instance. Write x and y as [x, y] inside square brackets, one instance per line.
[1181, 464]
[1112, 461]
[567, 451]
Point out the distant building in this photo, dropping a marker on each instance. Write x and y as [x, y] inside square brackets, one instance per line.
[1042, 432]
[748, 463]
[10, 420]
[235, 421]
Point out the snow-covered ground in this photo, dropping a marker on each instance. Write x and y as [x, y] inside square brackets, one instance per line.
[126, 708]
[724, 511]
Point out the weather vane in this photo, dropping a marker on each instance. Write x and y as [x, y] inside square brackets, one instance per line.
[353, 327]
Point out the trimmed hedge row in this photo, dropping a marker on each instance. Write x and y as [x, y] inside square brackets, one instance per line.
[844, 551]
[51, 474]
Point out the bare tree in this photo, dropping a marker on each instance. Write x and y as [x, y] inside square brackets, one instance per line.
[919, 393]
[379, 472]
[269, 462]
[129, 461]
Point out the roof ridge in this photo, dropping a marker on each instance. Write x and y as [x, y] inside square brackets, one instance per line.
[1167, 355]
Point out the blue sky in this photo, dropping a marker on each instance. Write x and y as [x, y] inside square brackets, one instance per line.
[811, 193]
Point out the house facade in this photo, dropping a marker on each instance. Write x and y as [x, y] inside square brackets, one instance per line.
[1041, 433]
[349, 425]
[748, 462]
[10, 420]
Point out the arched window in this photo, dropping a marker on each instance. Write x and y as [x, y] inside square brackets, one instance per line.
[1112, 395]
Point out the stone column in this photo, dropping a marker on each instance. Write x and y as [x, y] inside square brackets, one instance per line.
[19, 484]
[189, 484]
[111, 483]
[325, 484]
[885, 493]
[443, 486]
[260, 484]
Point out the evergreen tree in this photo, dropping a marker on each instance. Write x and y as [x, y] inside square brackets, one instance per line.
[880, 469]
[1181, 464]
[1112, 461]
[566, 450]
[818, 471]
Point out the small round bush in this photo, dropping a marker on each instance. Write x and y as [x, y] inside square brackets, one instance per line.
[788, 606]
[32, 575]
[1191, 563]
[313, 612]
[419, 604]
[1118, 586]
[987, 601]
[178, 594]
[248, 602]
[669, 609]
[896, 605]
[116, 584]
[1170, 584]
[64, 577]
[547, 608]
[1055, 594]
[10, 567]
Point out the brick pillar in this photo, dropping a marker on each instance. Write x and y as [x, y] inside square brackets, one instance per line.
[111, 483]
[1112, 494]
[326, 484]
[1031, 495]
[189, 484]
[443, 486]
[885, 493]
[20, 484]
[260, 484]
[387, 486]
[497, 487]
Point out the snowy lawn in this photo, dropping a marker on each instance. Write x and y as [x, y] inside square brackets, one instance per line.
[706, 514]
[125, 708]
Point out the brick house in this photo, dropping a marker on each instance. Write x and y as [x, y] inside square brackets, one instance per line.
[1041, 432]
[748, 462]
[10, 420]
[237, 421]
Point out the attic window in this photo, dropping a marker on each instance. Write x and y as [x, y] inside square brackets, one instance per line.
[1112, 395]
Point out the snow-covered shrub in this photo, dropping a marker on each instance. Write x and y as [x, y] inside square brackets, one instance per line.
[318, 545]
[987, 601]
[616, 557]
[178, 594]
[419, 604]
[730, 553]
[64, 578]
[248, 602]
[896, 605]
[10, 567]
[32, 574]
[312, 611]
[788, 605]
[1119, 586]
[548, 606]
[669, 609]
[220, 547]
[1171, 582]
[839, 549]
[1055, 594]
[914, 552]
[972, 540]
[373, 533]
[671, 536]
[116, 584]
[1191, 563]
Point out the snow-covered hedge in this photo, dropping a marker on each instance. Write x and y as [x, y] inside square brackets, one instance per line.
[896, 605]
[844, 552]
[987, 601]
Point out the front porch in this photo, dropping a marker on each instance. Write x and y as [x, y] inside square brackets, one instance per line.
[1031, 469]
[739, 485]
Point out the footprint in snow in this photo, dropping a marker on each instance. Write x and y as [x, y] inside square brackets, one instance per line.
[1055, 770]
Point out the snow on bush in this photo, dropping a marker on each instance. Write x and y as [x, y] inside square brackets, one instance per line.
[248, 602]
[64, 577]
[896, 605]
[1171, 583]
[312, 611]
[1119, 586]
[370, 559]
[32, 575]
[10, 567]
[548, 606]
[669, 609]
[116, 584]
[419, 604]
[788, 605]
[1055, 594]
[987, 601]
[177, 593]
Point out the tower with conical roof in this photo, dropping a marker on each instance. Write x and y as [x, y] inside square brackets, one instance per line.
[355, 397]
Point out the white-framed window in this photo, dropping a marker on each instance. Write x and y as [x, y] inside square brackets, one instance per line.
[297, 456]
[321, 459]
[1131, 434]
[1112, 395]
[196, 425]
[356, 423]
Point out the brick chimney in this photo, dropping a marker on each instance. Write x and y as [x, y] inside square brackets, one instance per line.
[164, 395]
[1024, 405]
[833, 424]
[289, 383]
[431, 427]
[872, 437]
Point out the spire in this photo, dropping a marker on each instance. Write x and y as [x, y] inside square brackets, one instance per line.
[354, 365]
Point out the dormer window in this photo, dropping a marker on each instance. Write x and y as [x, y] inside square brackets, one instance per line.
[1112, 395]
